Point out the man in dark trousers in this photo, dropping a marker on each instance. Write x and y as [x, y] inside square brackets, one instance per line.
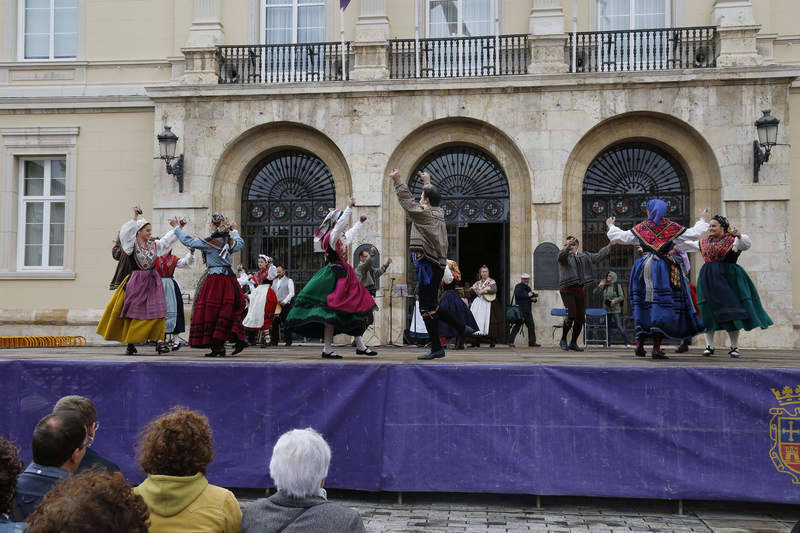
[524, 297]
[575, 271]
[428, 244]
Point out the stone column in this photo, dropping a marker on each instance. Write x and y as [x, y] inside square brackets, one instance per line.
[736, 33]
[371, 45]
[205, 34]
[548, 38]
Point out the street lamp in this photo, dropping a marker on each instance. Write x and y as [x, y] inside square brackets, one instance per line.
[767, 128]
[167, 141]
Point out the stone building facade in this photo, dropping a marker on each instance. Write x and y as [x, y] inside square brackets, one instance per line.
[542, 133]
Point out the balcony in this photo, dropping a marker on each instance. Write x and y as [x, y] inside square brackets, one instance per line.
[642, 50]
[283, 63]
[465, 57]
[458, 57]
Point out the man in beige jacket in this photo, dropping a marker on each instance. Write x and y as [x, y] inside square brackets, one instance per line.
[428, 244]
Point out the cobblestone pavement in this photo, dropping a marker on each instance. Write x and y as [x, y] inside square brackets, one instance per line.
[494, 513]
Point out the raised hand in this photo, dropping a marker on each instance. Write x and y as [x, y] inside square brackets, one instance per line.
[174, 221]
[395, 174]
[610, 221]
[373, 250]
[704, 214]
[736, 232]
[362, 218]
[389, 261]
[352, 201]
[234, 225]
[137, 210]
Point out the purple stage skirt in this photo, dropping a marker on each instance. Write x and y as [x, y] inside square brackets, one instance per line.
[144, 296]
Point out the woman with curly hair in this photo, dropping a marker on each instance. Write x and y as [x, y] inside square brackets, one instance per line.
[726, 296]
[10, 468]
[219, 301]
[92, 502]
[175, 451]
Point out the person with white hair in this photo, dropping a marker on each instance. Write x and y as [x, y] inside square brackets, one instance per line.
[299, 466]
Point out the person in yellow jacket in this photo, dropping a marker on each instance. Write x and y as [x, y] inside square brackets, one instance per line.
[175, 453]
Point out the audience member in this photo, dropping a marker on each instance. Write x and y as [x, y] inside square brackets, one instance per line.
[299, 465]
[10, 467]
[59, 444]
[86, 410]
[91, 502]
[175, 451]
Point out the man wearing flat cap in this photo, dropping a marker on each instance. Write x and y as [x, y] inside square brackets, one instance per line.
[524, 297]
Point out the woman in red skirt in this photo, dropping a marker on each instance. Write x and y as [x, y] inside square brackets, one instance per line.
[218, 307]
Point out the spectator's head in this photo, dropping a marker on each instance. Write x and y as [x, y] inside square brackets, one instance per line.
[363, 255]
[84, 408]
[10, 468]
[526, 279]
[93, 502]
[281, 270]
[60, 440]
[300, 461]
[177, 443]
[431, 195]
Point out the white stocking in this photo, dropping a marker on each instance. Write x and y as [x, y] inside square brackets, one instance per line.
[734, 335]
[360, 343]
[328, 339]
[709, 338]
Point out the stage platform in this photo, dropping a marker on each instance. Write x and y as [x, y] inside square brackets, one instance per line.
[503, 420]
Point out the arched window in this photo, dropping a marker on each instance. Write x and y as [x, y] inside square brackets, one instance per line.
[284, 200]
[619, 182]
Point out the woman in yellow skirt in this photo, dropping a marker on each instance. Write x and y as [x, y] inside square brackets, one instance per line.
[138, 309]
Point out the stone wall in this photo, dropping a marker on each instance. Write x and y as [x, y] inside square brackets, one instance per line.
[543, 130]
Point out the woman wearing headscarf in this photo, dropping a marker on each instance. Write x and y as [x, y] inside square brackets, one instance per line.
[658, 291]
[137, 310]
[176, 321]
[334, 301]
[219, 302]
[263, 301]
[726, 296]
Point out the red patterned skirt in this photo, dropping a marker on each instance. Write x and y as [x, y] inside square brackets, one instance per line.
[217, 313]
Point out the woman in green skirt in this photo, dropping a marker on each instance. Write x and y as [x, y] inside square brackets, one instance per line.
[726, 296]
[333, 301]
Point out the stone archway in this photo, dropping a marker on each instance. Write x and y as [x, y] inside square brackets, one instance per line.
[242, 154]
[440, 134]
[680, 140]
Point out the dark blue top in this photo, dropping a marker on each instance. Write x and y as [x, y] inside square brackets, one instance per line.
[94, 461]
[33, 484]
[7, 526]
[521, 297]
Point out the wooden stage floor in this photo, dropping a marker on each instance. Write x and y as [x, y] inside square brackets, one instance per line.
[501, 354]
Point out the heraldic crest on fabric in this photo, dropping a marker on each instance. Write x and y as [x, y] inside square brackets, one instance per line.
[784, 430]
[656, 237]
[716, 249]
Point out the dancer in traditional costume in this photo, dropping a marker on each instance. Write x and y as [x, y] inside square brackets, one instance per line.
[176, 322]
[486, 309]
[452, 303]
[575, 271]
[334, 301]
[428, 244]
[219, 301]
[727, 298]
[137, 310]
[659, 292]
[263, 301]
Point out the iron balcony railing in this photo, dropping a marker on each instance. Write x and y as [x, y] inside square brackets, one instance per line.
[283, 63]
[458, 57]
[636, 50]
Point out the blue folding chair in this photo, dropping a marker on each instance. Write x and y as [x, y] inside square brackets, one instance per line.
[596, 320]
[562, 313]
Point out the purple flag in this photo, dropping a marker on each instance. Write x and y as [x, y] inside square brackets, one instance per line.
[343, 3]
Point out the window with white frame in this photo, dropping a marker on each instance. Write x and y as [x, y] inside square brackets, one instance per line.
[42, 196]
[632, 14]
[48, 29]
[460, 18]
[293, 21]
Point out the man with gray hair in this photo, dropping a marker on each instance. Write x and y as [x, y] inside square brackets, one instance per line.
[86, 410]
[299, 465]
